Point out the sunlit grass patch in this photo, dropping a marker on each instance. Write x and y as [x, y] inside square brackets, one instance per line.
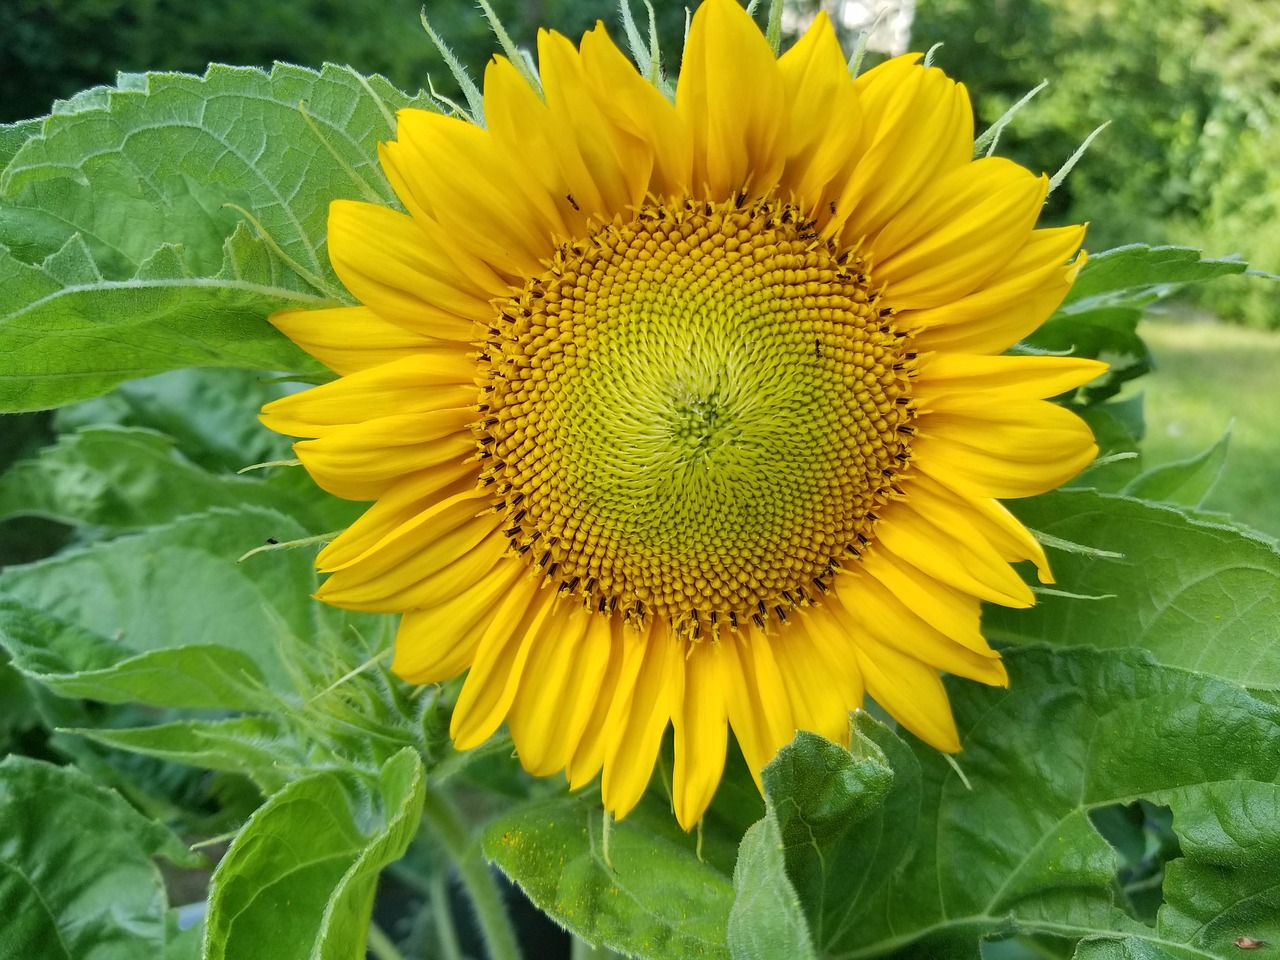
[1209, 374]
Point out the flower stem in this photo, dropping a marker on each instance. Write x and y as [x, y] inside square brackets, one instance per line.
[464, 852]
[445, 932]
[381, 946]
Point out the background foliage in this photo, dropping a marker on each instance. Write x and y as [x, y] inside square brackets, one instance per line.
[167, 676]
[1190, 88]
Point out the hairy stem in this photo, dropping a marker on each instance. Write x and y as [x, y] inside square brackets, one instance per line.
[464, 852]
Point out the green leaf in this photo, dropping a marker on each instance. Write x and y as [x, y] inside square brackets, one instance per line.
[126, 479]
[1139, 274]
[1187, 482]
[184, 944]
[298, 880]
[654, 898]
[1118, 426]
[819, 789]
[1079, 730]
[1109, 334]
[72, 662]
[1100, 948]
[767, 919]
[17, 706]
[69, 334]
[1100, 315]
[179, 585]
[14, 135]
[77, 881]
[846, 818]
[262, 747]
[211, 415]
[126, 247]
[1198, 595]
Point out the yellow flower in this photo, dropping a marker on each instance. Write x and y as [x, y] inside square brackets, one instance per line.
[690, 414]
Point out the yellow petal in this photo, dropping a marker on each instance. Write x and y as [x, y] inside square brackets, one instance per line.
[396, 567]
[1011, 304]
[607, 171]
[439, 642]
[433, 378]
[627, 647]
[391, 265]
[985, 519]
[481, 197]
[917, 533]
[522, 126]
[636, 107]
[637, 732]
[861, 601]
[464, 513]
[403, 501]
[759, 710]
[819, 672]
[910, 691]
[701, 727]
[947, 609]
[1014, 449]
[491, 684]
[1003, 378]
[552, 679]
[584, 688]
[957, 233]
[361, 461]
[731, 100]
[826, 116]
[917, 125]
[348, 339]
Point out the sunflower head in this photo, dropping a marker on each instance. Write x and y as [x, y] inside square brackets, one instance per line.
[690, 414]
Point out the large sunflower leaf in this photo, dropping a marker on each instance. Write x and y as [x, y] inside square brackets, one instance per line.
[77, 878]
[1196, 594]
[1016, 851]
[127, 480]
[171, 587]
[14, 135]
[263, 747]
[69, 333]
[74, 662]
[1185, 482]
[652, 897]
[299, 878]
[126, 244]
[1117, 948]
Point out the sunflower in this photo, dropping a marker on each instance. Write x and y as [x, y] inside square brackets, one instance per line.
[690, 414]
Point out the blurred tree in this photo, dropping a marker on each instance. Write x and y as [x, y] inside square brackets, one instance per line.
[1191, 88]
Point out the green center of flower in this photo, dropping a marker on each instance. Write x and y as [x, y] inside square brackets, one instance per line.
[696, 414]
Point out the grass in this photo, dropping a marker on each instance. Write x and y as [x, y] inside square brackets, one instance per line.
[1210, 376]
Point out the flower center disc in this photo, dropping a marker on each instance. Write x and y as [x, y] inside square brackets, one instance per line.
[695, 414]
